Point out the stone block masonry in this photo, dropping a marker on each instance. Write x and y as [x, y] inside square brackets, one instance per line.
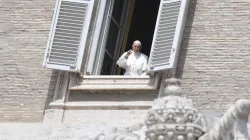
[214, 62]
[25, 87]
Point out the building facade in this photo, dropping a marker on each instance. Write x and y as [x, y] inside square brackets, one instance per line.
[212, 57]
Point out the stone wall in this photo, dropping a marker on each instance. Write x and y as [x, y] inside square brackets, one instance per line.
[214, 62]
[104, 117]
[36, 131]
[25, 88]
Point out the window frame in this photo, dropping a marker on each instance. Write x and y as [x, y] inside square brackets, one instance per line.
[97, 67]
[70, 81]
[87, 77]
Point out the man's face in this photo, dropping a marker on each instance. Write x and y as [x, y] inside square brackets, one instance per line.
[136, 47]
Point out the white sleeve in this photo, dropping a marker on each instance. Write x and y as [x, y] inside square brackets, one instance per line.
[145, 64]
[122, 61]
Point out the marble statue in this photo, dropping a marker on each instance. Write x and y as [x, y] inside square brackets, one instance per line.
[173, 117]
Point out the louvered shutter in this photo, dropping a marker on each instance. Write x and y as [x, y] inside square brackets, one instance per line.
[168, 34]
[68, 35]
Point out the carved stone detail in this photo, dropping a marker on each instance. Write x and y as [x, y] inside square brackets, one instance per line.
[173, 117]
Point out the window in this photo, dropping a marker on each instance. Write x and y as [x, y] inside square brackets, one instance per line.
[68, 34]
[158, 24]
[113, 38]
[137, 22]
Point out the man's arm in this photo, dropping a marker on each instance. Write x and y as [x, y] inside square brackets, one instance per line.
[122, 61]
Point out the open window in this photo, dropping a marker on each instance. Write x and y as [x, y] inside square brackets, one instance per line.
[128, 20]
[158, 24]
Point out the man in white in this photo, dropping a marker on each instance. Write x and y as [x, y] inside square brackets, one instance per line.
[133, 61]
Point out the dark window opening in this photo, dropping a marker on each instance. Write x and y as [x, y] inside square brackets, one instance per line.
[142, 26]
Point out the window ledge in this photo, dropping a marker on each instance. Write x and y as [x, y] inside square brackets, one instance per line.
[103, 105]
[114, 77]
[116, 83]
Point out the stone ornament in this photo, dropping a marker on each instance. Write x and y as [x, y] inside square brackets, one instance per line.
[173, 117]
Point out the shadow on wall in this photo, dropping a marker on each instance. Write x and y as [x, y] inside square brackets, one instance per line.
[51, 89]
[186, 38]
[110, 96]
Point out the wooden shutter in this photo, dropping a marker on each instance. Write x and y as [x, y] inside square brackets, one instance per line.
[168, 33]
[68, 35]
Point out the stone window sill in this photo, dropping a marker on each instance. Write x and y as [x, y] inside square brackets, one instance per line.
[102, 105]
[116, 83]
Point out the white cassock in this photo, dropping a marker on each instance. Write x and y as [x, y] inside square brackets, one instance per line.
[135, 64]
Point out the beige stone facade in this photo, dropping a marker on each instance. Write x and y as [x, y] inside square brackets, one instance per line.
[214, 59]
[213, 63]
[26, 88]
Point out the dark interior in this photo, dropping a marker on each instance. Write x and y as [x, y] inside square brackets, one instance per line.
[143, 24]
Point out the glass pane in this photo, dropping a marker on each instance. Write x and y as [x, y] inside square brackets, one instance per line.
[112, 38]
[117, 10]
[107, 65]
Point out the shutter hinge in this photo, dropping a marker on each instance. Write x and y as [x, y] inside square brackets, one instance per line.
[152, 67]
[173, 49]
[48, 54]
[72, 66]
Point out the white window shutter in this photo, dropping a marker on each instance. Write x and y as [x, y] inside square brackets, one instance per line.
[168, 34]
[68, 35]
